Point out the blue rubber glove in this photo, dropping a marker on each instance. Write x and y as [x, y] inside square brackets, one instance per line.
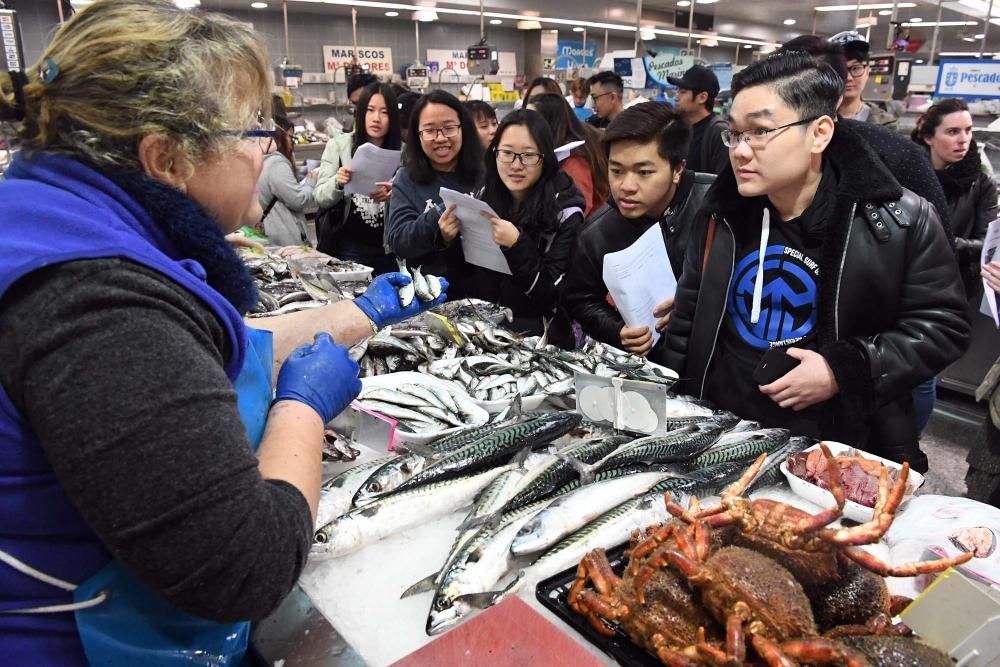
[320, 375]
[380, 302]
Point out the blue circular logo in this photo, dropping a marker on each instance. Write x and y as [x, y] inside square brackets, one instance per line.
[950, 78]
[788, 298]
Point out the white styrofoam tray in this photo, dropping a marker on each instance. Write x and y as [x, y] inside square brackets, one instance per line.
[823, 498]
[394, 380]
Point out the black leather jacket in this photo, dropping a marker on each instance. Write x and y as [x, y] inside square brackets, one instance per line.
[891, 308]
[607, 231]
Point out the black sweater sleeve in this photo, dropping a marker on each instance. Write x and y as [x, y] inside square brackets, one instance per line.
[539, 274]
[119, 373]
[586, 293]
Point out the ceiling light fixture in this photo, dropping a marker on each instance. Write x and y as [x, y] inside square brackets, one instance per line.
[495, 21]
[425, 15]
[969, 39]
[578, 29]
[789, 21]
[919, 62]
[259, 5]
[529, 25]
[748, 46]
[916, 19]
[392, 15]
[938, 24]
[964, 54]
[979, 36]
[885, 12]
[705, 2]
[683, 3]
[854, 8]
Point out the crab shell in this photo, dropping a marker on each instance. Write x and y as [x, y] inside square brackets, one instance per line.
[671, 610]
[734, 574]
[853, 598]
[891, 651]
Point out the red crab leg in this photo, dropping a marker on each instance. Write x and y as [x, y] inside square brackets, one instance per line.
[818, 651]
[878, 566]
[644, 548]
[899, 603]
[770, 652]
[672, 658]
[684, 515]
[885, 510]
[701, 542]
[596, 608]
[736, 645]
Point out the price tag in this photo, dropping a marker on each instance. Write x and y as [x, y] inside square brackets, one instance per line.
[374, 430]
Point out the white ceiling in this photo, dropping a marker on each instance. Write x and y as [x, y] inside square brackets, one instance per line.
[759, 21]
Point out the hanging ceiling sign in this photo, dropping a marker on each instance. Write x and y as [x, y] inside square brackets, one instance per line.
[664, 65]
[452, 65]
[378, 59]
[571, 53]
[974, 79]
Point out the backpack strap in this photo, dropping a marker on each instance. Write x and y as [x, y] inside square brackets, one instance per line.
[709, 238]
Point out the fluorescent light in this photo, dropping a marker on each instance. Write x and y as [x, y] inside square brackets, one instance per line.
[919, 62]
[854, 8]
[495, 21]
[885, 12]
[425, 15]
[259, 5]
[789, 21]
[578, 29]
[705, 2]
[979, 36]
[529, 25]
[963, 54]
[916, 19]
[969, 39]
[913, 23]
[748, 46]
[684, 3]
[392, 15]
[980, 6]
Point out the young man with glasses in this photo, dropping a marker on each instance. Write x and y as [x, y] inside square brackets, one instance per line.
[814, 253]
[858, 70]
[607, 92]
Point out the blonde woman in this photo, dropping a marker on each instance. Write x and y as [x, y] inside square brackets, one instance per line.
[137, 524]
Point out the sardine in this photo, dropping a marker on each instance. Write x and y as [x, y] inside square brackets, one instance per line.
[406, 292]
[433, 285]
[398, 512]
[420, 286]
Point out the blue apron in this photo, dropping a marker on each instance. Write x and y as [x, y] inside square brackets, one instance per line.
[135, 626]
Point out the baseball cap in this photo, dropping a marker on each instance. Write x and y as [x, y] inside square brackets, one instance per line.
[854, 44]
[698, 78]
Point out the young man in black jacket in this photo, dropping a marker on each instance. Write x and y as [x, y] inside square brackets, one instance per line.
[813, 247]
[647, 145]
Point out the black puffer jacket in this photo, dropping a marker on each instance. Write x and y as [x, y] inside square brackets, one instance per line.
[608, 230]
[972, 205]
[891, 312]
[537, 263]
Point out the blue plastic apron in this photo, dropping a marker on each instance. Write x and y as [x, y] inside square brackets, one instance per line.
[134, 625]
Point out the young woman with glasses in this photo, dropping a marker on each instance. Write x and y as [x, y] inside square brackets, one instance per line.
[539, 212]
[355, 227]
[282, 196]
[444, 153]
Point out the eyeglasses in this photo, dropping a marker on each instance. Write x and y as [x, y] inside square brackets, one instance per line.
[857, 70]
[599, 96]
[505, 156]
[448, 131]
[263, 128]
[758, 138]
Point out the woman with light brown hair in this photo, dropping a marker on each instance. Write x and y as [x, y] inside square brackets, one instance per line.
[139, 522]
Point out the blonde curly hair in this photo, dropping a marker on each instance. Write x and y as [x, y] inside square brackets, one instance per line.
[127, 69]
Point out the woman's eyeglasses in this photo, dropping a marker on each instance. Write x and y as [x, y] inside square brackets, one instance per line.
[505, 156]
[448, 132]
[263, 128]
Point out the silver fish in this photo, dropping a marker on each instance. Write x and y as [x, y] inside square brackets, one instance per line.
[420, 286]
[434, 285]
[337, 494]
[406, 292]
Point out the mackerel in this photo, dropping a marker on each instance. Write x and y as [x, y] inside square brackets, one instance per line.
[770, 473]
[389, 477]
[498, 445]
[575, 510]
[394, 396]
[562, 470]
[396, 411]
[608, 530]
[677, 445]
[397, 512]
[739, 447]
[337, 493]
[467, 581]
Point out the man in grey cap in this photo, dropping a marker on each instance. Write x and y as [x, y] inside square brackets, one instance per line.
[857, 55]
[696, 93]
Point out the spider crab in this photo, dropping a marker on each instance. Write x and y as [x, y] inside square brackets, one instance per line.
[803, 542]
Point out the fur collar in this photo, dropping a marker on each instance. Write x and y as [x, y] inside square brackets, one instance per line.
[194, 233]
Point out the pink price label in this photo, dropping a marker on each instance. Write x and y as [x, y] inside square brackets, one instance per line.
[375, 430]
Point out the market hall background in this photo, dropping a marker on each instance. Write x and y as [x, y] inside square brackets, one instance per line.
[312, 102]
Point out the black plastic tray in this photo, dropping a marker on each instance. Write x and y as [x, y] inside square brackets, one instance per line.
[552, 593]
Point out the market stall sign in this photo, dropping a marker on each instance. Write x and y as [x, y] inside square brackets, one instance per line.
[975, 79]
[452, 65]
[571, 53]
[378, 59]
[663, 65]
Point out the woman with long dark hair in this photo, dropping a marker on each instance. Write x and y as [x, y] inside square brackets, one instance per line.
[587, 165]
[283, 197]
[539, 212]
[443, 151]
[946, 131]
[354, 227]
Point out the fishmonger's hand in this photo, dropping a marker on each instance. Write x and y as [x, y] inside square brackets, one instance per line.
[807, 384]
[381, 303]
[320, 375]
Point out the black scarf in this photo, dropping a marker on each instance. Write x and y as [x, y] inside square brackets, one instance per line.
[958, 177]
[194, 233]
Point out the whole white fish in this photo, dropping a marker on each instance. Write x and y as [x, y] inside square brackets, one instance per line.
[434, 285]
[608, 530]
[467, 582]
[575, 510]
[397, 512]
[420, 285]
[406, 292]
[336, 496]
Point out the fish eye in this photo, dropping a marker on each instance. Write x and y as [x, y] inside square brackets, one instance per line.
[374, 487]
[440, 604]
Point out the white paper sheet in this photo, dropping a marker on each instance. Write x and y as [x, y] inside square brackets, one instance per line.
[563, 152]
[990, 244]
[478, 245]
[640, 278]
[371, 165]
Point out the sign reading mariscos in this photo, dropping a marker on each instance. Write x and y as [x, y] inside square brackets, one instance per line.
[666, 64]
[969, 78]
[378, 59]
